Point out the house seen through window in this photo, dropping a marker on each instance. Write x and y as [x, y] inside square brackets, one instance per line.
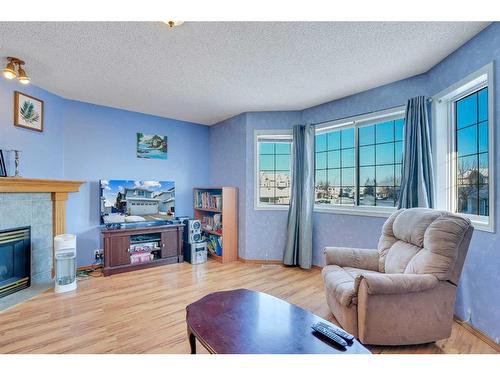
[471, 127]
[274, 171]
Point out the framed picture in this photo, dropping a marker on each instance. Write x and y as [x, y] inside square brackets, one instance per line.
[28, 112]
[152, 146]
[3, 171]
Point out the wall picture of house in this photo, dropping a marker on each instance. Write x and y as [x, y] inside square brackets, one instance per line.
[151, 146]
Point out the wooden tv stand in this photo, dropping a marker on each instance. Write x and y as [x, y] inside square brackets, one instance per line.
[117, 243]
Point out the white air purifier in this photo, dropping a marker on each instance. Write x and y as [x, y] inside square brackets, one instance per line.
[65, 256]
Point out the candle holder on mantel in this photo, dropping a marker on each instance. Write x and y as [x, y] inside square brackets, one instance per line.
[17, 160]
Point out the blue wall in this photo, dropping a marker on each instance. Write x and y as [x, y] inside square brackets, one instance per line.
[42, 153]
[227, 142]
[100, 143]
[87, 142]
[265, 230]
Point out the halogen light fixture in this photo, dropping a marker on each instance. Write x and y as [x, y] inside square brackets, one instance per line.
[14, 69]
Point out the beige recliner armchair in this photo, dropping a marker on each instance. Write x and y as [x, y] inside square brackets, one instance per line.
[404, 292]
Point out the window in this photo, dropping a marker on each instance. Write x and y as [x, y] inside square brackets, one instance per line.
[335, 175]
[358, 162]
[463, 148]
[380, 158]
[471, 127]
[273, 171]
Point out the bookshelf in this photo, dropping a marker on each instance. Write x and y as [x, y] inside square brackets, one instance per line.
[217, 209]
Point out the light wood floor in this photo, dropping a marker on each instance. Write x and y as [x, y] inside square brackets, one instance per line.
[144, 311]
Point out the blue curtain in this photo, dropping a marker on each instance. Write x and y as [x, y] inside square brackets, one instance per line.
[298, 248]
[416, 173]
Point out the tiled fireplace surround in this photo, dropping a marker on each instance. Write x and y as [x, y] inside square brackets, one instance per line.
[40, 204]
[35, 210]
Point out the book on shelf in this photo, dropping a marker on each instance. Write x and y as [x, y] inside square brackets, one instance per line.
[214, 245]
[213, 222]
[208, 200]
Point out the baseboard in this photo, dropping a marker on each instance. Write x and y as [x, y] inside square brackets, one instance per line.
[88, 268]
[261, 261]
[269, 261]
[480, 335]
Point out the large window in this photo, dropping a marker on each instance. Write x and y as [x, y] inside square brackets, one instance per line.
[358, 161]
[273, 170]
[335, 173]
[463, 144]
[471, 126]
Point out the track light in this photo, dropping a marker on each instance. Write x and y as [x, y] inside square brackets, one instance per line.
[10, 70]
[23, 77]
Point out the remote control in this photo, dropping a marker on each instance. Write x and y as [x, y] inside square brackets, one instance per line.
[336, 334]
[338, 331]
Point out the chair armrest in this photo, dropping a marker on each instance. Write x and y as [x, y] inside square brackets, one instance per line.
[349, 257]
[396, 283]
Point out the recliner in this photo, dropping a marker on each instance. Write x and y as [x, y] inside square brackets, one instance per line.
[404, 291]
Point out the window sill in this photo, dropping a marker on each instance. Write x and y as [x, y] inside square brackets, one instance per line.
[271, 208]
[480, 224]
[358, 211]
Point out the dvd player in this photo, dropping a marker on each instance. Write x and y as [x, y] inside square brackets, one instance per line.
[145, 224]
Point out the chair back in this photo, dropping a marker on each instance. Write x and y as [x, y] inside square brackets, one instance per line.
[425, 241]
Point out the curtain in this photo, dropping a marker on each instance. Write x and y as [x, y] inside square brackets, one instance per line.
[298, 248]
[416, 172]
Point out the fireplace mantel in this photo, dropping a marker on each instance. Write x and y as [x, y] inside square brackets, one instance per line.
[59, 190]
[37, 185]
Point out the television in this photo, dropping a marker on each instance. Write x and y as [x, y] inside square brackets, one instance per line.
[136, 201]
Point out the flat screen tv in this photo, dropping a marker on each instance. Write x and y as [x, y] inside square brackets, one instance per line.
[133, 201]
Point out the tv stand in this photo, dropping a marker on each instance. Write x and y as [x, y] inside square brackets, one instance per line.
[117, 244]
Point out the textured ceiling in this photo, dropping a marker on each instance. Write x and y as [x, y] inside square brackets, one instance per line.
[208, 71]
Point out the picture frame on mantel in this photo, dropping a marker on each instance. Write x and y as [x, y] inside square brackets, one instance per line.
[3, 170]
[28, 112]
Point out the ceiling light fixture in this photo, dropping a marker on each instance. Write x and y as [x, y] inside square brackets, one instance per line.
[173, 23]
[10, 70]
[22, 76]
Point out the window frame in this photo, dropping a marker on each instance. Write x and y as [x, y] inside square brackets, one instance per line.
[357, 122]
[277, 134]
[445, 154]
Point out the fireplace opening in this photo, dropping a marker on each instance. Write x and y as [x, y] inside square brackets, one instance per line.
[15, 260]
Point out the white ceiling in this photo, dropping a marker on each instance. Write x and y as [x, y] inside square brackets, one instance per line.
[205, 72]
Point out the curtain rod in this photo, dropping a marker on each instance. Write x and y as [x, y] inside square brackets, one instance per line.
[429, 100]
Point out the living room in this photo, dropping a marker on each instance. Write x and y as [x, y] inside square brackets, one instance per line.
[310, 187]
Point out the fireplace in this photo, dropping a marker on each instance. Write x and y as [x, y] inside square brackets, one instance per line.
[15, 260]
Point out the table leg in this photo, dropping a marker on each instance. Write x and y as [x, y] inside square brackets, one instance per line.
[192, 341]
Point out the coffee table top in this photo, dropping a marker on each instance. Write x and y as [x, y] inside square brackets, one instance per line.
[244, 321]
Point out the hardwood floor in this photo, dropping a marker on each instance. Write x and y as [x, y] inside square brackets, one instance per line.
[144, 311]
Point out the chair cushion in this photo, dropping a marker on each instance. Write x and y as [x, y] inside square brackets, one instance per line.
[442, 240]
[339, 282]
[410, 225]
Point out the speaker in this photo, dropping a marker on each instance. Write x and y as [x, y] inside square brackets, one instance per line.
[194, 237]
[193, 225]
[192, 232]
[195, 253]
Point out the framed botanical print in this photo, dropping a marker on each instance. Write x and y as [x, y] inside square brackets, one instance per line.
[28, 112]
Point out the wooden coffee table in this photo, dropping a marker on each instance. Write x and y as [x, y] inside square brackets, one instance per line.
[243, 321]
